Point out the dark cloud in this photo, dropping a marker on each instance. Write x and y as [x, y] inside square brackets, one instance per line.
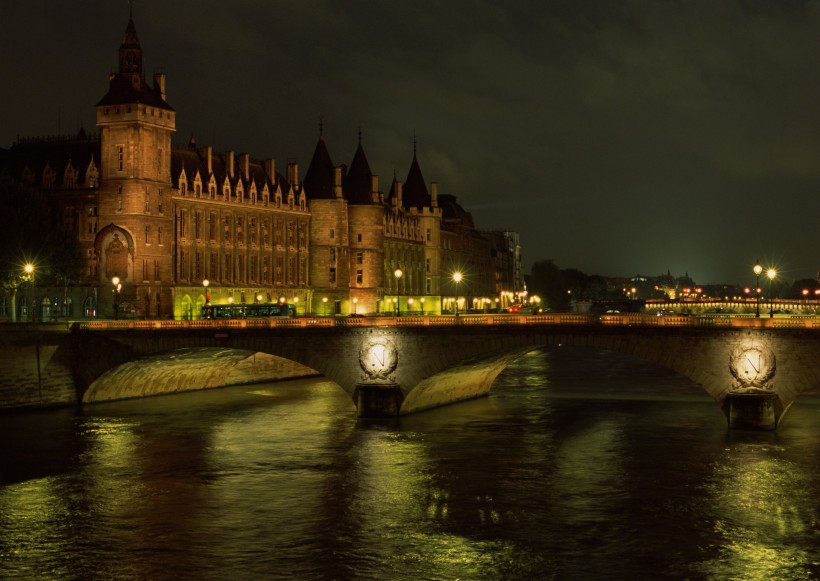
[616, 137]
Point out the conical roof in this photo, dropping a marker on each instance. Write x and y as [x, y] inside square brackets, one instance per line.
[318, 182]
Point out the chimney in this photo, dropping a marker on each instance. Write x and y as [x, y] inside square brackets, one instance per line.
[434, 195]
[245, 164]
[374, 188]
[293, 173]
[230, 164]
[159, 84]
[270, 169]
[337, 182]
[399, 188]
[209, 155]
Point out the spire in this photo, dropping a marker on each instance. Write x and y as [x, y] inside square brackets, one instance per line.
[318, 182]
[415, 192]
[358, 181]
[130, 50]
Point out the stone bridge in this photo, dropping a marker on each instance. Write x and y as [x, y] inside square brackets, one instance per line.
[753, 368]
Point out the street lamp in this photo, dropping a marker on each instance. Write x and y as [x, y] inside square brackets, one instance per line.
[422, 305]
[324, 306]
[206, 283]
[457, 279]
[757, 270]
[117, 288]
[410, 306]
[28, 274]
[398, 273]
[771, 273]
[355, 305]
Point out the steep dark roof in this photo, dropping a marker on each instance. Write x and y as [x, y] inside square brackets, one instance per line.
[452, 212]
[358, 180]
[56, 152]
[128, 86]
[414, 193]
[121, 91]
[318, 182]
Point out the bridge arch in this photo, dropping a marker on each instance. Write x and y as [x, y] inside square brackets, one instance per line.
[428, 366]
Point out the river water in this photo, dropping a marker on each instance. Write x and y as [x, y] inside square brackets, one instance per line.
[579, 465]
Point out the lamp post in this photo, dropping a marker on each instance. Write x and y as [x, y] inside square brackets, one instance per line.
[457, 279]
[410, 306]
[398, 273]
[206, 283]
[757, 270]
[28, 274]
[771, 273]
[422, 305]
[117, 288]
[324, 306]
[355, 305]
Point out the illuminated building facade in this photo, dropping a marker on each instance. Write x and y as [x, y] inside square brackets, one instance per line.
[164, 219]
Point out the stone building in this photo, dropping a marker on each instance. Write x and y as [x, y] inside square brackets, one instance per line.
[177, 226]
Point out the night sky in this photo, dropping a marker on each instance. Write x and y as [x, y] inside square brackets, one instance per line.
[616, 137]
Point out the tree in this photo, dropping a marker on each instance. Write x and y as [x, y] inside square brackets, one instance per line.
[547, 281]
[33, 235]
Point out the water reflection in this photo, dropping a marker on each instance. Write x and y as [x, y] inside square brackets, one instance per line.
[579, 465]
[764, 507]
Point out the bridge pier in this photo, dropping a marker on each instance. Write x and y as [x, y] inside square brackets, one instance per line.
[378, 400]
[751, 411]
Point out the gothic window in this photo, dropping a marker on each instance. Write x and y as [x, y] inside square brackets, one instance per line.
[332, 256]
[359, 277]
[252, 229]
[280, 267]
[156, 270]
[359, 258]
[198, 266]
[212, 227]
[254, 268]
[266, 233]
[159, 234]
[266, 269]
[332, 275]
[197, 226]
[182, 225]
[120, 158]
[147, 235]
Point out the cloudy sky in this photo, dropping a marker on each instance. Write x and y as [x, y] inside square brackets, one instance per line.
[617, 137]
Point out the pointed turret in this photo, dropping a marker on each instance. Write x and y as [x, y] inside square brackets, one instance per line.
[130, 51]
[415, 192]
[318, 182]
[127, 85]
[358, 182]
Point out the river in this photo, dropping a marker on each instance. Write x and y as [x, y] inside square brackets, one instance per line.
[581, 464]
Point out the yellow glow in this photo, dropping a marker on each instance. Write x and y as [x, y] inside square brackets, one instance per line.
[205, 283]
[28, 268]
[457, 276]
[115, 280]
[771, 273]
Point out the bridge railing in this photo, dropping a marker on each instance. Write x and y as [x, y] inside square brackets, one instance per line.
[609, 319]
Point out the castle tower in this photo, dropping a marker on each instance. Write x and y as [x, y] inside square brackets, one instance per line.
[366, 234]
[135, 241]
[424, 204]
[329, 244]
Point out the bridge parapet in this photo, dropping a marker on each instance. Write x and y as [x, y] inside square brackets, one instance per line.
[572, 319]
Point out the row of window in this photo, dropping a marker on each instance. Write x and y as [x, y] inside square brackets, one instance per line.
[242, 229]
[241, 269]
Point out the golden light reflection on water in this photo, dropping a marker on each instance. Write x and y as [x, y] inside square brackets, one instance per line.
[761, 501]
